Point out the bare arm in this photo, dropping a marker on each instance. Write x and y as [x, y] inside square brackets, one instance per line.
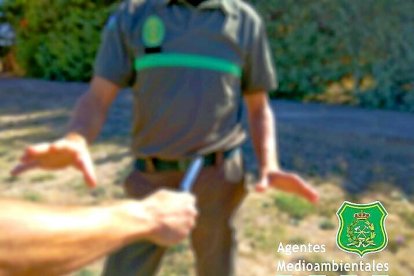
[48, 240]
[87, 120]
[91, 109]
[262, 130]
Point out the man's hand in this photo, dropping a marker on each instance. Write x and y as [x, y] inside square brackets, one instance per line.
[69, 151]
[287, 182]
[172, 216]
[39, 239]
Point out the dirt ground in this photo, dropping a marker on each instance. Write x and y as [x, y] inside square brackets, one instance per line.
[347, 153]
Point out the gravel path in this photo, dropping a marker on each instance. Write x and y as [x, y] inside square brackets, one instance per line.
[360, 147]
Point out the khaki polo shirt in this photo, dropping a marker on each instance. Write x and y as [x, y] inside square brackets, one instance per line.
[189, 68]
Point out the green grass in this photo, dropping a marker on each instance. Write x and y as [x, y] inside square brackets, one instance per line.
[180, 248]
[98, 193]
[79, 187]
[86, 272]
[327, 224]
[10, 179]
[408, 217]
[32, 196]
[295, 207]
[42, 178]
[178, 261]
[122, 174]
[297, 240]
[263, 238]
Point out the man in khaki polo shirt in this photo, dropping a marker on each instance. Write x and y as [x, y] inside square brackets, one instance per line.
[191, 65]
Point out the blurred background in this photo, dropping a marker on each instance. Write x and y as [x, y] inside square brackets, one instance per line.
[344, 112]
[347, 52]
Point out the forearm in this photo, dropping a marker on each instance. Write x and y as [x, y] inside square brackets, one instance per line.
[91, 109]
[263, 134]
[88, 117]
[45, 240]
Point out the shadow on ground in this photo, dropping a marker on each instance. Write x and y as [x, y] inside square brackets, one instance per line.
[363, 148]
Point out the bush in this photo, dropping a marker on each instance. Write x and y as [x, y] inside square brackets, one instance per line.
[355, 52]
[352, 52]
[57, 39]
[296, 207]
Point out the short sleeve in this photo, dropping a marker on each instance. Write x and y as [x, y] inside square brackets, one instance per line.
[114, 61]
[259, 71]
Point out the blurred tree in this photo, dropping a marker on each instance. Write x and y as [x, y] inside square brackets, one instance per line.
[337, 51]
[355, 52]
[57, 39]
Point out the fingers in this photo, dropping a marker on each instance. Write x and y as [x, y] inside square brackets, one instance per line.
[189, 198]
[262, 185]
[23, 167]
[192, 209]
[83, 160]
[292, 183]
[305, 189]
[186, 202]
[177, 200]
[173, 214]
[36, 150]
[311, 194]
[85, 165]
[29, 159]
[58, 155]
[89, 174]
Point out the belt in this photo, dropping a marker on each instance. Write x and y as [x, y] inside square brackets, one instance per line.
[158, 165]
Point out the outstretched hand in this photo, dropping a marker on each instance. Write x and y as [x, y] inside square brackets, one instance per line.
[287, 182]
[66, 152]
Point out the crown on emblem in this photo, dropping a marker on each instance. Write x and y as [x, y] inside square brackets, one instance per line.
[361, 215]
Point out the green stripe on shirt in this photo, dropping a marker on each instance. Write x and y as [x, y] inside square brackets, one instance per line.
[185, 60]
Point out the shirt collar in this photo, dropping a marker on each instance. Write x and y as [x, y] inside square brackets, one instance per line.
[225, 5]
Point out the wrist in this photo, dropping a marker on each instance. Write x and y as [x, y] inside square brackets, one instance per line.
[75, 137]
[134, 220]
[265, 170]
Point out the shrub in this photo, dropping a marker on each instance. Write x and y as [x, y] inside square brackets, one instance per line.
[296, 207]
[352, 52]
[357, 52]
[57, 39]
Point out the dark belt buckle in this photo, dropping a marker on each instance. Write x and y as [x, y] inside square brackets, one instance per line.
[182, 165]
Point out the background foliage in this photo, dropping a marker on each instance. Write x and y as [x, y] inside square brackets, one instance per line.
[341, 51]
[57, 39]
[344, 51]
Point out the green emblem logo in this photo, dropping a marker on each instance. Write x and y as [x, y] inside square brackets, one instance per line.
[153, 32]
[362, 228]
